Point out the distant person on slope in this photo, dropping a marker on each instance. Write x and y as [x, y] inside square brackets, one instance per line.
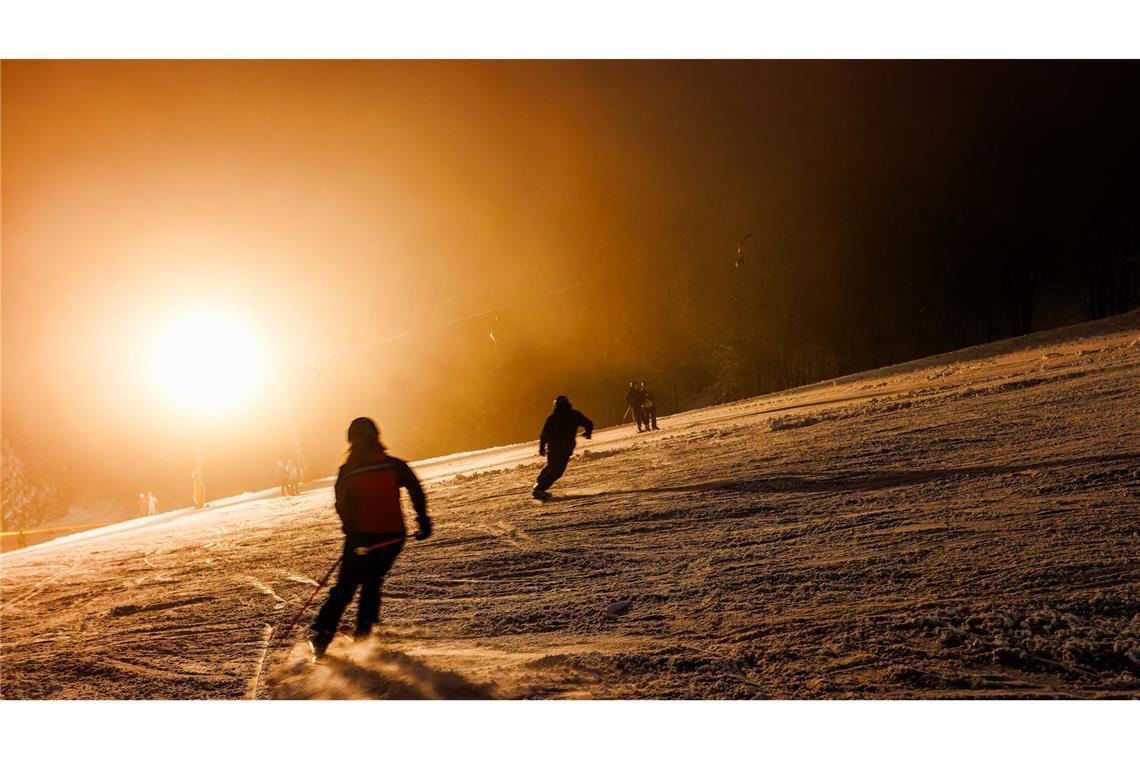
[368, 502]
[557, 443]
[282, 480]
[649, 406]
[292, 478]
[635, 398]
[151, 504]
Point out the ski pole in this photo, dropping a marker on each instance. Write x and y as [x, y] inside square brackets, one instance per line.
[360, 551]
[628, 409]
[289, 628]
[317, 590]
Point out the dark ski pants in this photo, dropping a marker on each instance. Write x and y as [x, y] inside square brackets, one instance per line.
[365, 571]
[651, 417]
[639, 416]
[556, 461]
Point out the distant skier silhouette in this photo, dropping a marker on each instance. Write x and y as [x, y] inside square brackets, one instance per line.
[648, 407]
[557, 443]
[636, 400]
[282, 479]
[292, 478]
[368, 502]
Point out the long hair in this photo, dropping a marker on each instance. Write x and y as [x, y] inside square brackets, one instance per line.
[363, 441]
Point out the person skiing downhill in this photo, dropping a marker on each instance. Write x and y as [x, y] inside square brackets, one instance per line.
[368, 502]
[557, 441]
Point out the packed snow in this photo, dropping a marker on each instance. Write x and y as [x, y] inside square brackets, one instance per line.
[966, 525]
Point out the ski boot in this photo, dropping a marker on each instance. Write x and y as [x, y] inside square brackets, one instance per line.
[319, 643]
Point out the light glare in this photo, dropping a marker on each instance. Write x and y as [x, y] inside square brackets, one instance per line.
[207, 362]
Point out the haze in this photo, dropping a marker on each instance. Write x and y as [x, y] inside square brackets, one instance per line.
[372, 222]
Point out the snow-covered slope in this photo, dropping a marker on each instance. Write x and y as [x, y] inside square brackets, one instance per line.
[965, 525]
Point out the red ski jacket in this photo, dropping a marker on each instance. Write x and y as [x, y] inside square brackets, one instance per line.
[368, 495]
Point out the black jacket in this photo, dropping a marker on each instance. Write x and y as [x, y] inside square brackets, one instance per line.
[635, 397]
[561, 428]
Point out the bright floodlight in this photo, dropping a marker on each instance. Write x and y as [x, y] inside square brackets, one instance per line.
[207, 362]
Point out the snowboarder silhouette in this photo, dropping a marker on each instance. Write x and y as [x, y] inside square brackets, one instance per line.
[557, 443]
[368, 502]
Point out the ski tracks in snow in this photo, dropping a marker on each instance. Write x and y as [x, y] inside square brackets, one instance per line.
[965, 525]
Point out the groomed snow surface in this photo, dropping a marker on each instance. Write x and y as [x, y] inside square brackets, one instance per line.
[962, 526]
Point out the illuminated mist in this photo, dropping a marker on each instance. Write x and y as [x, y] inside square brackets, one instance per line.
[366, 227]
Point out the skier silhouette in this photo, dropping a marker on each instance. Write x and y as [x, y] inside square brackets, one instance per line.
[648, 407]
[636, 400]
[368, 502]
[557, 443]
[282, 480]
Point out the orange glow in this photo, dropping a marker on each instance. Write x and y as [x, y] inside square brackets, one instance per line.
[359, 229]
